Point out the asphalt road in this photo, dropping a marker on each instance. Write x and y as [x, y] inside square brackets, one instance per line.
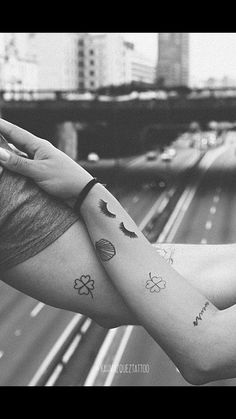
[210, 218]
[29, 329]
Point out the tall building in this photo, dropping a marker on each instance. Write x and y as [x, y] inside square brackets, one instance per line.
[142, 69]
[18, 61]
[107, 59]
[57, 55]
[173, 59]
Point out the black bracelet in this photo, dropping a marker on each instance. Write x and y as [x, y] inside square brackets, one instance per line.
[84, 193]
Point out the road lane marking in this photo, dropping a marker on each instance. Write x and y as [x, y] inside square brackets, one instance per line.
[73, 346]
[85, 326]
[37, 309]
[178, 214]
[135, 199]
[53, 352]
[163, 205]
[216, 199]
[119, 354]
[213, 210]
[208, 225]
[153, 210]
[93, 373]
[54, 376]
[1, 354]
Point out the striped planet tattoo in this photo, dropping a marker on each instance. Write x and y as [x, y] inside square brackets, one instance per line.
[105, 249]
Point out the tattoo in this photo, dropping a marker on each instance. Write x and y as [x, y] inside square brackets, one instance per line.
[105, 249]
[199, 317]
[167, 254]
[104, 210]
[155, 283]
[128, 233]
[84, 285]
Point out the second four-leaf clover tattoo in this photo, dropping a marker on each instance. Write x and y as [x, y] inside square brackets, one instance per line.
[155, 283]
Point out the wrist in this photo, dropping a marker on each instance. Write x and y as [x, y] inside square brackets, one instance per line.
[78, 184]
[84, 193]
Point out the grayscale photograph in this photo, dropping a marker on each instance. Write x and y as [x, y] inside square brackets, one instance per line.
[117, 209]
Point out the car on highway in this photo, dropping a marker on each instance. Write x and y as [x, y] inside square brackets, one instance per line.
[93, 157]
[172, 152]
[165, 156]
[168, 154]
[151, 155]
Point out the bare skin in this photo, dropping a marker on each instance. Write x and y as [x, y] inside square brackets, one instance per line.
[172, 308]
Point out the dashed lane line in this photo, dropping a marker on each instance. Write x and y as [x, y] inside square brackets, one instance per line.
[213, 210]
[55, 349]
[135, 199]
[54, 376]
[37, 309]
[216, 199]
[119, 355]
[208, 225]
[73, 346]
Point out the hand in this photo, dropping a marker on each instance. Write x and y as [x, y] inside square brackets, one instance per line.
[49, 167]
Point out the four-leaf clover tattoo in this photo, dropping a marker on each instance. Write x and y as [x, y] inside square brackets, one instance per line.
[84, 285]
[155, 283]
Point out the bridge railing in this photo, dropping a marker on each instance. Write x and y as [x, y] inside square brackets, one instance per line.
[37, 95]
[76, 95]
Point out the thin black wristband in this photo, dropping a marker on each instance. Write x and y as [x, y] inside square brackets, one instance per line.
[84, 193]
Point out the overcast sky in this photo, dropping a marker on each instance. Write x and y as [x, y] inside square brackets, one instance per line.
[211, 54]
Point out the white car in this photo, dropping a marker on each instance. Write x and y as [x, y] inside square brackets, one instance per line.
[171, 152]
[165, 156]
[93, 157]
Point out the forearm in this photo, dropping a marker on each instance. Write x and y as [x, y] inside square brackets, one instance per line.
[213, 280]
[167, 305]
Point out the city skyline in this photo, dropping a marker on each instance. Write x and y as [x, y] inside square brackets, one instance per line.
[211, 54]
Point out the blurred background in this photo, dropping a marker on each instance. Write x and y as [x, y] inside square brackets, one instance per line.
[153, 115]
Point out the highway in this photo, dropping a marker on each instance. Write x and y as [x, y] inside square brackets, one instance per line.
[30, 329]
[209, 217]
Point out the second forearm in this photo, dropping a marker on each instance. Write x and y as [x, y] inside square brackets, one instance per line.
[164, 302]
[204, 268]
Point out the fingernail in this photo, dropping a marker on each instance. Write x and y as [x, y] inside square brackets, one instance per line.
[4, 155]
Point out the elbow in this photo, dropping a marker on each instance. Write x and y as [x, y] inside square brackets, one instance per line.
[196, 375]
[203, 369]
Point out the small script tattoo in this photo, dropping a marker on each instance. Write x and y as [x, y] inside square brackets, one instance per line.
[199, 317]
[155, 283]
[84, 285]
[126, 232]
[167, 254]
[105, 210]
[105, 249]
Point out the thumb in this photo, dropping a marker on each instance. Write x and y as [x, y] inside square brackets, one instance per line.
[16, 164]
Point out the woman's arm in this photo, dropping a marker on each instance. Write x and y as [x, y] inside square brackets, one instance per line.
[68, 275]
[199, 338]
[176, 314]
[216, 278]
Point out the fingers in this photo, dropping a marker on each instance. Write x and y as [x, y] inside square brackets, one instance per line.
[21, 138]
[18, 164]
